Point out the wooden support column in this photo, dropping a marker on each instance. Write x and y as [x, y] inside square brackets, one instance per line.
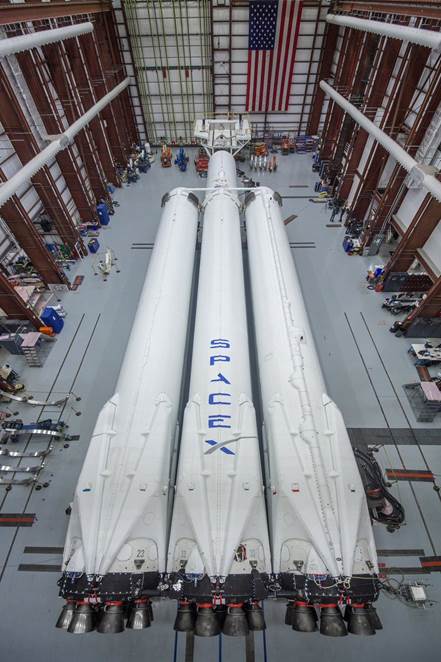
[14, 306]
[14, 215]
[358, 86]
[373, 101]
[429, 307]
[87, 97]
[99, 81]
[109, 48]
[19, 132]
[323, 73]
[423, 224]
[60, 79]
[389, 203]
[394, 116]
[326, 145]
[344, 81]
[32, 72]
[395, 191]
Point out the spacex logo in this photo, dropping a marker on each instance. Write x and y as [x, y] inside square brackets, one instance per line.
[219, 395]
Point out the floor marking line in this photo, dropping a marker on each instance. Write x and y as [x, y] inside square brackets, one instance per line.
[408, 474]
[31, 491]
[38, 567]
[52, 550]
[390, 430]
[17, 519]
[395, 392]
[400, 552]
[51, 391]
[403, 570]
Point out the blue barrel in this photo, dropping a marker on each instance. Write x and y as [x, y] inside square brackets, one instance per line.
[103, 213]
[51, 318]
[93, 245]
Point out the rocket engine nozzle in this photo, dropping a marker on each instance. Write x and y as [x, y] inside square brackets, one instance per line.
[304, 617]
[66, 615]
[185, 617]
[255, 616]
[236, 623]
[207, 624]
[112, 619]
[83, 619]
[359, 620]
[139, 615]
[331, 621]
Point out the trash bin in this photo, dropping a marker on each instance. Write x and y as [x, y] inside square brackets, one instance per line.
[51, 318]
[93, 245]
[103, 213]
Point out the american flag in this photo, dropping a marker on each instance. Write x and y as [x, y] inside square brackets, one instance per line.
[273, 33]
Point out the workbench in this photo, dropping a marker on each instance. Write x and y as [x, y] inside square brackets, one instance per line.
[425, 355]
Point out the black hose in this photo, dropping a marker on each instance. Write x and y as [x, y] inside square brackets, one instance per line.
[373, 481]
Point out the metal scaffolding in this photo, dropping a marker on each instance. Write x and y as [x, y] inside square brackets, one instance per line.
[171, 47]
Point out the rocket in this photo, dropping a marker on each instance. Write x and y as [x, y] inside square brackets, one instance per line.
[223, 531]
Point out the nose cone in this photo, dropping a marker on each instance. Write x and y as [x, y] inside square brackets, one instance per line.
[66, 615]
[207, 624]
[235, 621]
[83, 619]
[304, 617]
[331, 621]
[255, 617]
[112, 620]
[185, 617]
[139, 615]
[359, 621]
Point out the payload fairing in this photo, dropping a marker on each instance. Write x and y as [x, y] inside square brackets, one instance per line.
[219, 563]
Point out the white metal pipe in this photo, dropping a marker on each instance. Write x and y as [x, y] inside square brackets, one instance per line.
[25, 42]
[416, 170]
[11, 186]
[414, 35]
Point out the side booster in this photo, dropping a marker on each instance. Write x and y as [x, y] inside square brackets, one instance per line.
[323, 549]
[115, 549]
[218, 551]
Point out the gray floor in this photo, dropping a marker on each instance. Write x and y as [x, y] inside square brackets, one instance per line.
[365, 367]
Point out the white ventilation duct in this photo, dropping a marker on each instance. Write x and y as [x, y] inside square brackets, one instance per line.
[60, 142]
[24, 42]
[417, 171]
[414, 35]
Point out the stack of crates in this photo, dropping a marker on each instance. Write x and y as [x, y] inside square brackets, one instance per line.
[425, 400]
[305, 144]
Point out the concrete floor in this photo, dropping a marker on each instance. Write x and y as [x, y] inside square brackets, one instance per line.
[365, 367]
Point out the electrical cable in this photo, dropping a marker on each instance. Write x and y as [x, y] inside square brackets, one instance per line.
[376, 490]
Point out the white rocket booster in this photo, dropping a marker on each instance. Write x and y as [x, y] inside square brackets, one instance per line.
[319, 521]
[117, 532]
[219, 525]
